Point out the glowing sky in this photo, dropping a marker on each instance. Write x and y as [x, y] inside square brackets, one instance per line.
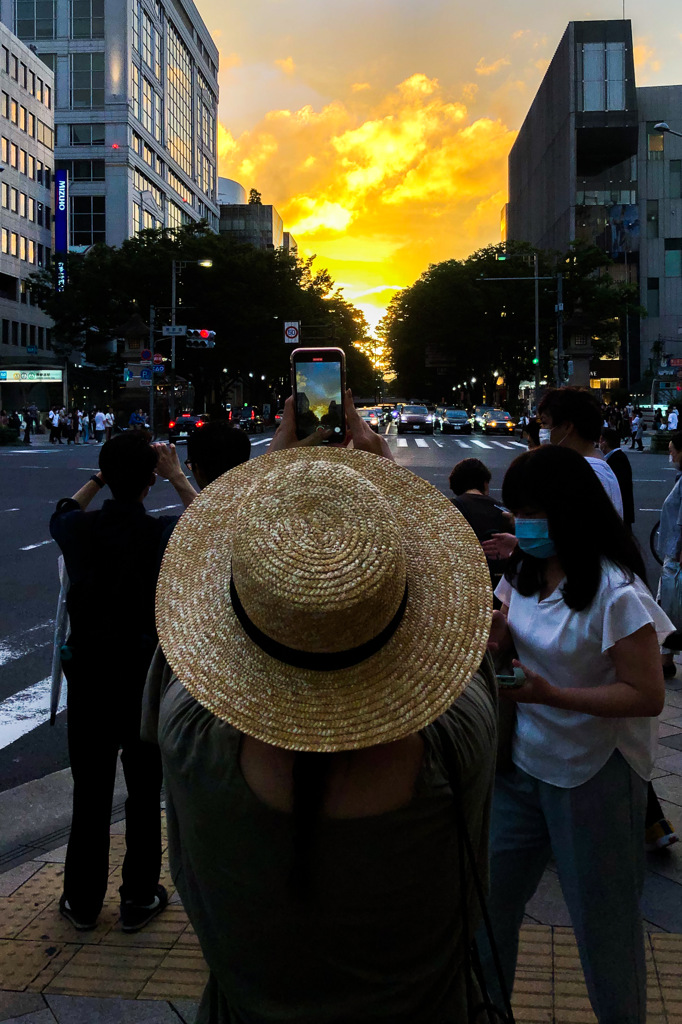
[380, 130]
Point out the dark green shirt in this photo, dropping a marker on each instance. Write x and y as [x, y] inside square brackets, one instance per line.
[382, 938]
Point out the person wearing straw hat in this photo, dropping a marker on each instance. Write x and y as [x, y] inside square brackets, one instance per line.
[306, 696]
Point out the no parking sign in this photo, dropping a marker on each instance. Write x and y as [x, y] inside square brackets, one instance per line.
[292, 331]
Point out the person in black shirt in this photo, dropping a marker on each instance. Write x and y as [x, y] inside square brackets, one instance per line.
[111, 558]
[470, 483]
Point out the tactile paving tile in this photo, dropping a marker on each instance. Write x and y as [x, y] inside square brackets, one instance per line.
[50, 925]
[55, 965]
[105, 970]
[44, 884]
[16, 913]
[162, 931]
[21, 962]
[182, 975]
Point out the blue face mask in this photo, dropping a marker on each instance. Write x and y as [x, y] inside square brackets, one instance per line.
[534, 539]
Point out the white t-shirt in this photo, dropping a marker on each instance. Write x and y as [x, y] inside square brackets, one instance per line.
[672, 420]
[609, 482]
[570, 648]
[54, 418]
[108, 420]
[99, 421]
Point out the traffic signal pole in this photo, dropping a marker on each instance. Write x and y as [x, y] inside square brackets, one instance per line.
[152, 314]
[171, 401]
[536, 280]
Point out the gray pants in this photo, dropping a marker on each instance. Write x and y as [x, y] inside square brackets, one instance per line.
[596, 834]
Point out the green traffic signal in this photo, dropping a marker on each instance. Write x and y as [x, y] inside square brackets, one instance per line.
[535, 360]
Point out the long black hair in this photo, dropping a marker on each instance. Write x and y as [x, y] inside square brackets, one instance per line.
[583, 523]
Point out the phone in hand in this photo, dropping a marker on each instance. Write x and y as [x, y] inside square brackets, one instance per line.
[318, 378]
[509, 682]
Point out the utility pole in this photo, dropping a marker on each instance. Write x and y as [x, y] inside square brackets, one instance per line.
[536, 280]
[152, 314]
[171, 399]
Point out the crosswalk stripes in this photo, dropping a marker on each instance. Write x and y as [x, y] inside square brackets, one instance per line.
[462, 444]
[519, 444]
[402, 442]
[501, 445]
[421, 443]
[481, 444]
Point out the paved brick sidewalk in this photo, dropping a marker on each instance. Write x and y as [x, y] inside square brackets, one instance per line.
[51, 974]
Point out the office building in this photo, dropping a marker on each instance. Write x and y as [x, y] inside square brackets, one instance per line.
[256, 224]
[26, 163]
[587, 164]
[136, 98]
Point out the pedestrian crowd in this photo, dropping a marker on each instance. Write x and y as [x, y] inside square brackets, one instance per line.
[366, 700]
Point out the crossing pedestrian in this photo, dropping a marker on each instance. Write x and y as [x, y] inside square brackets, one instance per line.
[55, 433]
[672, 419]
[108, 423]
[105, 662]
[311, 825]
[99, 425]
[585, 632]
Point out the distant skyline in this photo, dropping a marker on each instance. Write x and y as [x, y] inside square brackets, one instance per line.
[381, 132]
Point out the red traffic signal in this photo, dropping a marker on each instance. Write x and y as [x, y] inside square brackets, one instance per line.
[204, 333]
[200, 337]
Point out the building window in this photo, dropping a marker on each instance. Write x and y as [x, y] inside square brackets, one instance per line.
[35, 19]
[676, 179]
[45, 135]
[82, 170]
[603, 76]
[654, 142]
[147, 44]
[652, 218]
[673, 257]
[87, 80]
[158, 117]
[136, 92]
[87, 19]
[179, 102]
[136, 26]
[88, 220]
[87, 134]
[147, 105]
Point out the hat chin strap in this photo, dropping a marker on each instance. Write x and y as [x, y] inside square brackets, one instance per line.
[314, 661]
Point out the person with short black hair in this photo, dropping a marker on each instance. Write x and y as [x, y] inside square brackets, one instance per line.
[469, 481]
[574, 420]
[531, 433]
[215, 449]
[105, 661]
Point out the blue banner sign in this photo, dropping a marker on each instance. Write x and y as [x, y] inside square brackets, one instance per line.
[61, 226]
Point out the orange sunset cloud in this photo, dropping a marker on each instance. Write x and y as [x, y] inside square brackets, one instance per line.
[378, 188]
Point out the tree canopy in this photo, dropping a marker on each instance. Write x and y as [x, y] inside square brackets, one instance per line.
[461, 320]
[245, 297]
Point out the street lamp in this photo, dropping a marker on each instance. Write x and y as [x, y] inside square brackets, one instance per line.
[175, 266]
[664, 127]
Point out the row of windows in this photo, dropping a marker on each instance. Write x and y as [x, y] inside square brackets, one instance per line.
[147, 104]
[143, 220]
[87, 80]
[154, 161]
[25, 206]
[143, 184]
[26, 78]
[25, 120]
[149, 155]
[179, 102]
[24, 162]
[26, 249]
[87, 135]
[82, 170]
[14, 333]
[606, 197]
[36, 19]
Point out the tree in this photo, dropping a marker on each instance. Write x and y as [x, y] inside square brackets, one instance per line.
[245, 296]
[255, 198]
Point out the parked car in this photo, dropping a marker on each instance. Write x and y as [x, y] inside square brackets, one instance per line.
[415, 418]
[478, 414]
[454, 421]
[497, 421]
[185, 424]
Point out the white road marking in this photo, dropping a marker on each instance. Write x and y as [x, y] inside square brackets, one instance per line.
[26, 710]
[11, 510]
[89, 469]
[463, 444]
[500, 445]
[20, 644]
[41, 544]
[481, 444]
[439, 443]
[421, 443]
[163, 508]
[264, 441]
[519, 444]
[402, 442]
[650, 510]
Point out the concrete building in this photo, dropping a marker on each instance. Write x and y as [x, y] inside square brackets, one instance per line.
[255, 223]
[136, 97]
[587, 164]
[27, 164]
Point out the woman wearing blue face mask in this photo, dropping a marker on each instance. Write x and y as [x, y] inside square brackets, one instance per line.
[586, 631]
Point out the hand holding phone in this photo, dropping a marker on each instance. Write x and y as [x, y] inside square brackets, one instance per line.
[318, 377]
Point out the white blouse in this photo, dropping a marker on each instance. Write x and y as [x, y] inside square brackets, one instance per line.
[571, 649]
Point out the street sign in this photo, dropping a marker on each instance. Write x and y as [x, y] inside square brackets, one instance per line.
[145, 383]
[23, 376]
[31, 350]
[146, 373]
[158, 358]
[159, 368]
[292, 331]
[174, 330]
[145, 356]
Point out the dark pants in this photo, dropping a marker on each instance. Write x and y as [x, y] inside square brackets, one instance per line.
[103, 714]
[55, 435]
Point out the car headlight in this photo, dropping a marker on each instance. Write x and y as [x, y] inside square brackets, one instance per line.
[492, 423]
[403, 419]
[429, 419]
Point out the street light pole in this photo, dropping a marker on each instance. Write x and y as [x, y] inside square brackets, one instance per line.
[536, 285]
[171, 403]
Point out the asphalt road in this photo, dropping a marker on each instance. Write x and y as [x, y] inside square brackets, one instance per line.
[32, 481]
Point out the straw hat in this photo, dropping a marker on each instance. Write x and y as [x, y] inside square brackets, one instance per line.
[323, 599]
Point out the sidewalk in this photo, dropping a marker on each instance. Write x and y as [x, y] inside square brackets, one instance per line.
[51, 974]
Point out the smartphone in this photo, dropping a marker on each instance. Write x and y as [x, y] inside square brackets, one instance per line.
[318, 378]
[509, 682]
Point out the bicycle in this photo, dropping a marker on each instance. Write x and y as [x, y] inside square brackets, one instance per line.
[653, 542]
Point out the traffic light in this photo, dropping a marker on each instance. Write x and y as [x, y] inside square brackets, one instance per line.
[200, 338]
[535, 360]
